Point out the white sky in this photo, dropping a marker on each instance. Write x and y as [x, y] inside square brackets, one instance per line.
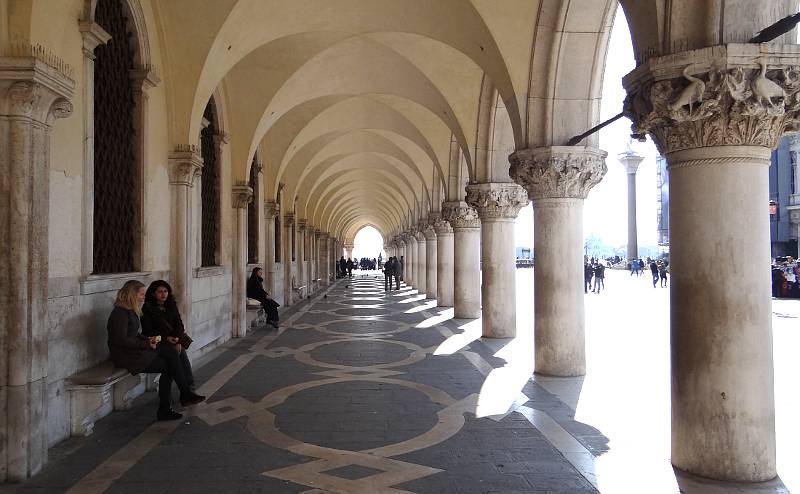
[605, 211]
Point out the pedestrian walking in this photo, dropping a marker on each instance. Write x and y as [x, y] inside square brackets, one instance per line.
[654, 271]
[588, 273]
[599, 277]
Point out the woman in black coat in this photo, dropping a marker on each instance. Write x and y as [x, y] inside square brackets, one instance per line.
[255, 290]
[135, 352]
[160, 317]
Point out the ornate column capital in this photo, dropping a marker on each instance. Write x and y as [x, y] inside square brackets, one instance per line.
[301, 225]
[441, 225]
[271, 209]
[496, 200]
[630, 161]
[430, 227]
[185, 165]
[727, 95]
[317, 233]
[419, 234]
[288, 218]
[36, 85]
[93, 36]
[399, 241]
[460, 215]
[558, 171]
[241, 195]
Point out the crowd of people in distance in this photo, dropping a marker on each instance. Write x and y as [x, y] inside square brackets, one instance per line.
[345, 267]
[146, 335]
[785, 278]
[594, 271]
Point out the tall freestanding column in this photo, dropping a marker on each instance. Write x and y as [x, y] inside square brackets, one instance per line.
[411, 261]
[301, 247]
[431, 264]
[630, 160]
[421, 269]
[32, 96]
[242, 195]
[271, 210]
[324, 258]
[558, 179]
[288, 256]
[466, 259]
[401, 253]
[743, 98]
[444, 262]
[497, 205]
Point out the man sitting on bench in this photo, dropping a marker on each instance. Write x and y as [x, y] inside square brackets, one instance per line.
[255, 290]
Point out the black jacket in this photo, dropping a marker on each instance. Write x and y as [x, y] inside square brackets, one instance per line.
[158, 322]
[127, 347]
[255, 289]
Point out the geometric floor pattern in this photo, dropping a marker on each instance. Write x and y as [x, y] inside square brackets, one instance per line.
[360, 391]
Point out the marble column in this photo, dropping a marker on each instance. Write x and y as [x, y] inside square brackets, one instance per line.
[32, 96]
[723, 408]
[401, 249]
[348, 251]
[431, 262]
[185, 166]
[288, 249]
[241, 196]
[411, 254]
[466, 258]
[444, 262]
[271, 210]
[301, 247]
[631, 161]
[316, 261]
[324, 259]
[420, 257]
[497, 205]
[558, 180]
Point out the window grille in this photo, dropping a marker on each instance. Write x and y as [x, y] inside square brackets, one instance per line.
[252, 216]
[209, 227]
[115, 208]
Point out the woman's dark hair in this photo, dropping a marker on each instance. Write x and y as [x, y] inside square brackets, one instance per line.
[255, 271]
[150, 294]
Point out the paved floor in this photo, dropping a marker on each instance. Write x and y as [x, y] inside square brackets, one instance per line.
[363, 392]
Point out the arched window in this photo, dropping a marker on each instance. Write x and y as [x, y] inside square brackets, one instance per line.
[210, 214]
[252, 215]
[115, 208]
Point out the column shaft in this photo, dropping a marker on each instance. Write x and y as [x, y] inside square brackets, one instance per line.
[431, 264]
[467, 275]
[498, 278]
[411, 250]
[444, 267]
[633, 241]
[241, 195]
[421, 270]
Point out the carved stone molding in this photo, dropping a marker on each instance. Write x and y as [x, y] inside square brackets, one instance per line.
[496, 200]
[558, 171]
[460, 215]
[93, 36]
[241, 196]
[735, 94]
[442, 226]
[61, 108]
[399, 241]
[23, 97]
[419, 234]
[430, 228]
[185, 165]
[271, 209]
[288, 218]
[301, 225]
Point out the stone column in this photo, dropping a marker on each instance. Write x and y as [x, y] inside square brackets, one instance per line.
[401, 249]
[185, 166]
[411, 254]
[717, 136]
[32, 96]
[348, 251]
[420, 257]
[631, 161]
[324, 259]
[431, 263]
[466, 259]
[444, 262]
[497, 205]
[288, 224]
[301, 247]
[271, 210]
[241, 196]
[558, 179]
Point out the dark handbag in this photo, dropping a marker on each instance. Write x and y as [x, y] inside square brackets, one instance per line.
[185, 340]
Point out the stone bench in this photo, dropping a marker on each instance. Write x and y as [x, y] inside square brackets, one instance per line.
[96, 392]
[255, 317]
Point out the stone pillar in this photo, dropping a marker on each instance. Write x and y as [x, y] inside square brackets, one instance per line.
[288, 247]
[631, 161]
[466, 259]
[717, 136]
[497, 205]
[431, 263]
[185, 166]
[241, 196]
[301, 247]
[348, 251]
[401, 249]
[444, 262]
[421, 269]
[411, 254]
[558, 179]
[324, 259]
[271, 210]
[32, 96]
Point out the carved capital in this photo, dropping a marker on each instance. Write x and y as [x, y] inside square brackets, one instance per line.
[558, 171]
[301, 225]
[419, 234]
[23, 98]
[729, 95]
[317, 233]
[61, 108]
[271, 209]
[185, 165]
[460, 215]
[441, 225]
[241, 196]
[288, 218]
[93, 36]
[399, 241]
[496, 200]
